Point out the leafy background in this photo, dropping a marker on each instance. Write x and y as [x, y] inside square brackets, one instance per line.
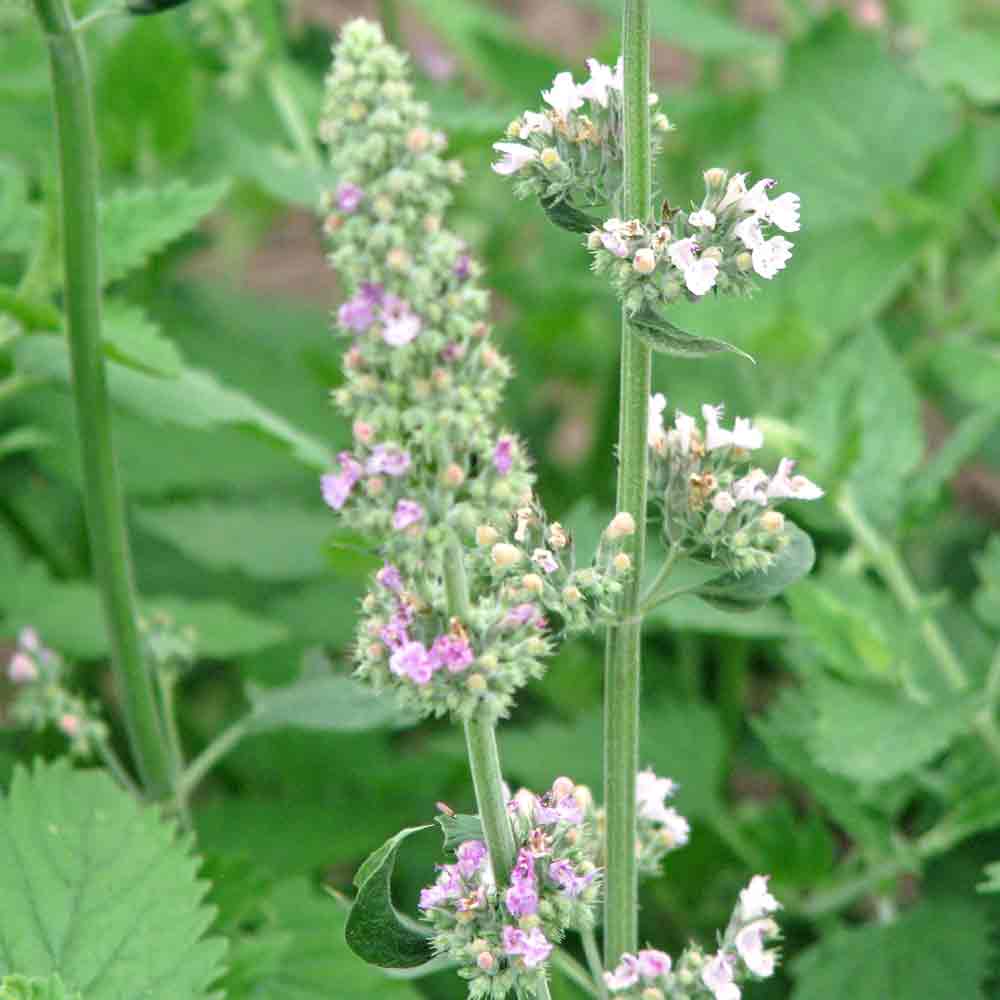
[818, 739]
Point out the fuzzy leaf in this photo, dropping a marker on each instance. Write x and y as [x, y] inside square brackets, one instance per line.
[939, 949]
[457, 829]
[136, 224]
[321, 700]
[566, 216]
[375, 931]
[132, 338]
[22, 988]
[751, 590]
[100, 890]
[662, 336]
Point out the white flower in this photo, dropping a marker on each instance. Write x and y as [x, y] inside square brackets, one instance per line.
[784, 212]
[701, 277]
[771, 256]
[746, 436]
[682, 253]
[736, 189]
[717, 975]
[650, 793]
[784, 486]
[723, 502]
[748, 231]
[684, 428]
[756, 901]
[534, 122]
[564, 96]
[750, 945]
[715, 436]
[752, 488]
[400, 330]
[644, 261]
[602, 79]
[675, 827]
[755, 200]
[655, 435]
[515, 156]
[702, 219]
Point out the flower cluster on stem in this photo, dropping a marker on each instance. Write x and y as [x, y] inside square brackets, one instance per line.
[744, 954]
[715, 505]
[422, 383]
[502, 935]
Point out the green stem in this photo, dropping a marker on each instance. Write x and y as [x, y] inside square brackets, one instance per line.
[652, 595]
[574, 971]
[103, 501]
[594, 962]
[117, 768]
[622, 662]
[198, 768]
[292, 118]
[167, 684]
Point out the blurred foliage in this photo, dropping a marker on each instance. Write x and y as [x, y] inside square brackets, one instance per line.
[835, 739]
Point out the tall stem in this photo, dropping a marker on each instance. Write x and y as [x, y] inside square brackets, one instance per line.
[109, 547]
[622, 663]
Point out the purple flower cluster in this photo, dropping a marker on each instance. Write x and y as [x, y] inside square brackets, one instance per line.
[522, 896]
[337, 487]
[371, 304]
[532, 947]
[388, 459]
[406, 514]
[412, 659]
[503, 455]
[348, 197]
[462, 882]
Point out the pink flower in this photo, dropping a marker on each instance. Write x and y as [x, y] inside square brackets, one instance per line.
[358, 313]
[348, 196]
[389, 577]
[70, 725]
[750, 944]
[453, 652]
[503, 455]
[407, 512]
[717, 975]
[400, 324]
[756, 901]
[412, 660]
[626, 975]
[28, 640]
[565, 876]
[21, 669]
[784, 486]
[471, 856]
[544, 560]
[522, 614]
[752, 488]
[522, 899]
[336, 487]
[388, 459]
[653, 964]
[532, 947]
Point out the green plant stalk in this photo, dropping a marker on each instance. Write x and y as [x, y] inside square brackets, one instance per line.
[292, 118]
[78, 173]
[199, 768]
[594, 962]
[622, 658]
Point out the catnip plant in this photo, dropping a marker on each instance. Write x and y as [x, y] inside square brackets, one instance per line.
[478, 586]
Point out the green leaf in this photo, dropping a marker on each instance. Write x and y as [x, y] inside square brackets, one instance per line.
[751, 590]
[662, 336]
[858, 149]
[375, 931]
[194, 399]
[688, 613]
[457, 829]
[100, 890]
[992, 883]
[22, 988]
[969, 367]
[223, 631]
[965, 59]
[265, 541]
[132, 338]
[136, 224]
[322, 700]
[873, 735]
[565, 215]
[939, 949]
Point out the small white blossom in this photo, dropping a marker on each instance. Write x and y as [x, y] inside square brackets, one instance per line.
[750, 944]
[723, 502]
[771, 256]
[564, 96]
[684, 428]
[784, 486]
[717, 975]
[755, 200]
[655, 435]
[715, 435]
[702, 219]
[699, 273]
[515, 156]
[756, 901]
[533, 122]
[752, 488]
[736, 190]
[602, 79]
[748, 231]
[650, 793]
[746, 436]
[682, 253]
[784, 212]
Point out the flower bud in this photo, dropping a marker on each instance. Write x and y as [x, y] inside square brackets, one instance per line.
[652, 993]
[550, 158]
[715, 179]
[383, 207]
[723, 502]
[485, 961]
[773, 521]
[398, 259]
[375, 486]
[21, 669]
[562, 787]
[70, 724]
[533, 583]
[584, 796]
[744, 261]
[661, 122]
[486, 534]
[558, 539]
[622, 562]
[644, 261]
[525, 803]
[418, 139]
[506, 555]
[476, 683]
[571, 595]
[622, 524]
[491, 357]
[453, 475]
[489, 662]
[375, 650]
[363, 432]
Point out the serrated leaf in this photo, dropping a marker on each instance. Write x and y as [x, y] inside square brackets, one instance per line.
[136, 224]
[133, 339]
[751, 590]
[265, 541]
[662, 336]
[100, 890]
[563, 214]
[458, 828]
[939, 949]
[193, 399]
[874, 735]
[321, 700]
[22, 988]
[375, 931]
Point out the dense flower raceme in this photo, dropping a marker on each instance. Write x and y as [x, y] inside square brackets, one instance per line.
[743, 954]
[717, 506]
[572, 148]
[502, 935]
[38, 674]
[422, 383]
[724, 244]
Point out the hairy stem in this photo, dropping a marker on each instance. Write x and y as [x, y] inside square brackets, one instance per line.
[622, 664]
[109, 547]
